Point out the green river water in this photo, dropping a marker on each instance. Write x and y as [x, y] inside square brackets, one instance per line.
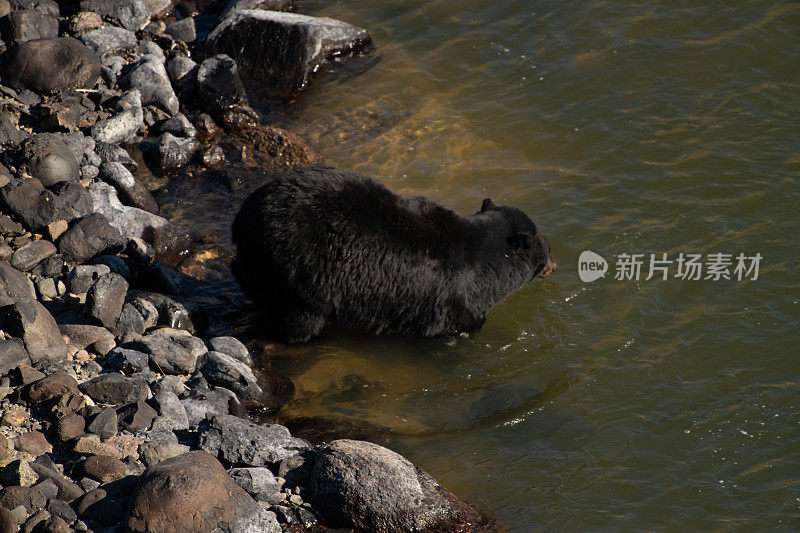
[621, 128]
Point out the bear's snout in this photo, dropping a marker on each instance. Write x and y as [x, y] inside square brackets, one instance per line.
[549, 267]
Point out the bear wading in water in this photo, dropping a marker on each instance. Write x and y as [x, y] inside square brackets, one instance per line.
[319, 246]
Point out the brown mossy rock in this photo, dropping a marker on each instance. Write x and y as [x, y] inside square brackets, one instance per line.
[263, 146]
[193, 492]
[368, 487]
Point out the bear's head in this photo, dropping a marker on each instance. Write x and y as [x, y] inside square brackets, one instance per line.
[524, 238]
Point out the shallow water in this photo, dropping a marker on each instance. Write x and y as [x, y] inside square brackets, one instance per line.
[621, 127]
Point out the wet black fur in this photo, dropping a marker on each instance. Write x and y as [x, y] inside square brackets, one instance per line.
[319, 245]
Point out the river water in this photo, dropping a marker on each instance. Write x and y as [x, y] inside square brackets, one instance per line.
[621, 128]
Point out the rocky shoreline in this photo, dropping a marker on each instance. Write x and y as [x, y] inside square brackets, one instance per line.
[117, 412]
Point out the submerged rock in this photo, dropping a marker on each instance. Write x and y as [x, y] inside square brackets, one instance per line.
[171, 153]
[218, 84]
[50, 65]
[283, 49]
[362, 485]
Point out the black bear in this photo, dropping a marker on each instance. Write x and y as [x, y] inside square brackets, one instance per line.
[319, 245]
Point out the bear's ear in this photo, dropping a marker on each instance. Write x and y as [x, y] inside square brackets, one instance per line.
[522, 242]
[487, 205]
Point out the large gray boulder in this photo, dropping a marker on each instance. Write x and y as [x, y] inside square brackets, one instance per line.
[368, 487]
[170, 351]
[192, 492]
[49, 65]
[283, 49]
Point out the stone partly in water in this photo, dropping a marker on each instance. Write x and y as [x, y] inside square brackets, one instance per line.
[131, 192]
[192, 492]
[49, 65]
[362, 485]
[218, 84]
[283, 49]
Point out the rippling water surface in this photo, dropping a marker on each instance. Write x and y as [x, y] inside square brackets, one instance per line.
[620, 127]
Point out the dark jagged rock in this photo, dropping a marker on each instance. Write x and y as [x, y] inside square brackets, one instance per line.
[136, 416]
[89, 237]
[36, 207]
[131, 192]
[32, 254]
[182, 30]
[115, 389]
[171, 153]
[240, 442]
[68, 490]
[28, 24]
[50, 160]
[219, 85]
[193, 492]
[81, 278]
[28, 497]
[30, 321]
[181, 70]
[49, 65]
[111, 153]
[179, 126]
[130, 14]
[14, 285]
[283, 49]
[105, 299]
[362, 485]
[126, 360]
[104, 424]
